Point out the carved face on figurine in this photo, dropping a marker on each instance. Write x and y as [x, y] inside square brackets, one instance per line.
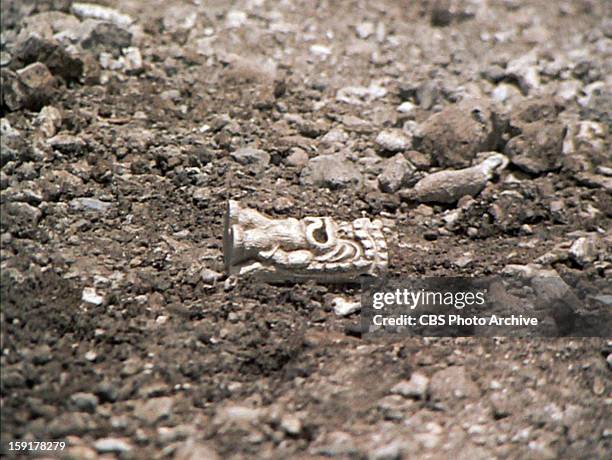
[310, 248]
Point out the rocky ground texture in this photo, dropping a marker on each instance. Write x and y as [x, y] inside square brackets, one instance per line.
[126, 127]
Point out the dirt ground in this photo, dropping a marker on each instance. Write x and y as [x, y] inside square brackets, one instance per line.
[122, 335]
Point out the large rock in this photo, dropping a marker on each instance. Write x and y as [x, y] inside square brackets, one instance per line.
[21, 218]
[14, 91]
[35, 48]
[538, 148]
[456, 134]
[449, 186]
[101, 35]
[47, 25]
[331, 171]
[537, 144]
[39, 85]
[396, 174]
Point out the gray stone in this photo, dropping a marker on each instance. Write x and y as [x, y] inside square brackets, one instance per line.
[453, 136]
[393, 140]
[298, 158]
[450, 185]
[334, 136]
[155, 409]
[22, 192]
[337, 443]
[538, 148]
[195, 450]
[90, 204]
[57, 184]
[524, 71]
[107, 391]
[20, 215]
[81, 452]
[101, 35]
[504, 403]
[47, 24]
[451, 384]
[14, 92]
[37, 77]
[85, 402]
[358, 95]
[331, 171]
[209, 276]
[441, 14]
[416, 387]
[391, 451]
[67, 143]
[235, 414]
[42, 355]
[180, 18]
[396, 174]
[12, 378]
[58, 60]
[255, 158]
[70, 423]
[428, 94]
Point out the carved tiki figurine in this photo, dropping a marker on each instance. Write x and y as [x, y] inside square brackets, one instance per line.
[310, 248]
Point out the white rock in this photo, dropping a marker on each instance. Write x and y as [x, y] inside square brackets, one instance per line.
[524, 70]
[93, 11]
[238, 414]
[91, 355]
[112, 445]
[568, 90]
[90, 204]
[358, 95]
[344, 307]
[291, 424]
[505, 92]
[583, 251]
[416, 387]
[6, 130]
[364, 29]
[235, 18]
[333, 136]
[320, 50]
[48, 121]
[132, 59]
[393, 140]
[406, 107]
[209, 276]
[91, 296]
